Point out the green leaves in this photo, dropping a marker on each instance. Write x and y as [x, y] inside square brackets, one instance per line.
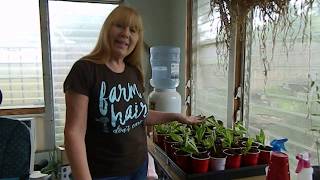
[209, 142]
[220, 129]
[228, 138]
[189, 146]
[162, 128]
[248, 145]
[183, 129]
[239, 129]
[176, 137]
[53, 165]
[169, 128]
[261, 137]
[210, 121]
[200, 131]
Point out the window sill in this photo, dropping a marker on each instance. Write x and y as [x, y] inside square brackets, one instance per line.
[22, 111]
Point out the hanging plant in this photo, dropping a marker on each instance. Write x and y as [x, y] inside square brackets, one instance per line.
[272, 19]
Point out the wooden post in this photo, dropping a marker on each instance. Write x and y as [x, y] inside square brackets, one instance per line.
[188, 59]
[236, 68]
[239, 68]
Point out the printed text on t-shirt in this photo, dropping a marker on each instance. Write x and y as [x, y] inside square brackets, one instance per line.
[133, 111]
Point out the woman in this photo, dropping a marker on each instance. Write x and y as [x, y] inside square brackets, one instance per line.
[106, 112]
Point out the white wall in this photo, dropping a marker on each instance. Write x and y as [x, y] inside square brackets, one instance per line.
[164, 24]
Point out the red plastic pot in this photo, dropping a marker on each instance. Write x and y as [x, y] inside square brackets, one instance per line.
[251, 158]
[174, 148]
[160, 140]
[200, 163]
[183, 160]
[265, 155]
[168, 147]
[233, 158]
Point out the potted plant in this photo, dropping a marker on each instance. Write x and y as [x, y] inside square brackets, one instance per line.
[162, 131]
[173, 137]
[53, 165]
[199, 135]
[239, 131]
[254, 144]
[265, 151]
[183, 154]
[250, 154]
[200, 162]
[219, 130]
[217, 157]
[183, 131]
[200, 159]
[210, 124]
[171, 141]
[199, 132]
[233, 154]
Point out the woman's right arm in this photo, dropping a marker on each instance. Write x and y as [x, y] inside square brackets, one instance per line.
[74, 133]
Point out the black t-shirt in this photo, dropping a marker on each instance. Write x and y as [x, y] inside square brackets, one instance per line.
[115, 137]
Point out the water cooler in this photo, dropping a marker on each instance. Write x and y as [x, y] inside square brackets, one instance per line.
[164, 62]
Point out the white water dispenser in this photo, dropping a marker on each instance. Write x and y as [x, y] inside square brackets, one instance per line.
[164, 62]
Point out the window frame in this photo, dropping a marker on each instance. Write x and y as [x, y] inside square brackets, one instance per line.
[235, 70]
[20, 111]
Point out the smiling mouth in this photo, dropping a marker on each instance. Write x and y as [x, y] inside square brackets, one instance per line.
[121, 43]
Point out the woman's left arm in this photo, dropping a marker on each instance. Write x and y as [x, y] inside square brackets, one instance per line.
[157, 117]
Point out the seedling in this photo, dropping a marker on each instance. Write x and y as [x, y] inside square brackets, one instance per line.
[189, 146]
[248, 146]
[261, 137]
[200, 131]
[228, 138]
[209, 142]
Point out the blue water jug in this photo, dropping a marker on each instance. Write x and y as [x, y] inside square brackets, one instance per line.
[164, 62]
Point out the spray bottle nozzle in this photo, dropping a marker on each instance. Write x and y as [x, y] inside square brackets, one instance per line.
[278, 144]
[303, 161]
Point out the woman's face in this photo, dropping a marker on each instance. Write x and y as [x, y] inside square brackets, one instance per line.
[123, 40]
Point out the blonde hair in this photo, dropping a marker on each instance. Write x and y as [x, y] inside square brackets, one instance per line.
[101, 53]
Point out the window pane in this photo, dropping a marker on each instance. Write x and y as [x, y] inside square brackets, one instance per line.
[280, 106]
[74, 28]
[210, 77]
[20, 54]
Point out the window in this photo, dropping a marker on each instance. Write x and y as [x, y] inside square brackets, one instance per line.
[209, 75]
[21, 79]
[280, 107]
[74, 29]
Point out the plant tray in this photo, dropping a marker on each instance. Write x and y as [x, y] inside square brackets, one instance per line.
[229, 174]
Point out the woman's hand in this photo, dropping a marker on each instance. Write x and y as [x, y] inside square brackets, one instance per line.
[190, 119]
[157, 117]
